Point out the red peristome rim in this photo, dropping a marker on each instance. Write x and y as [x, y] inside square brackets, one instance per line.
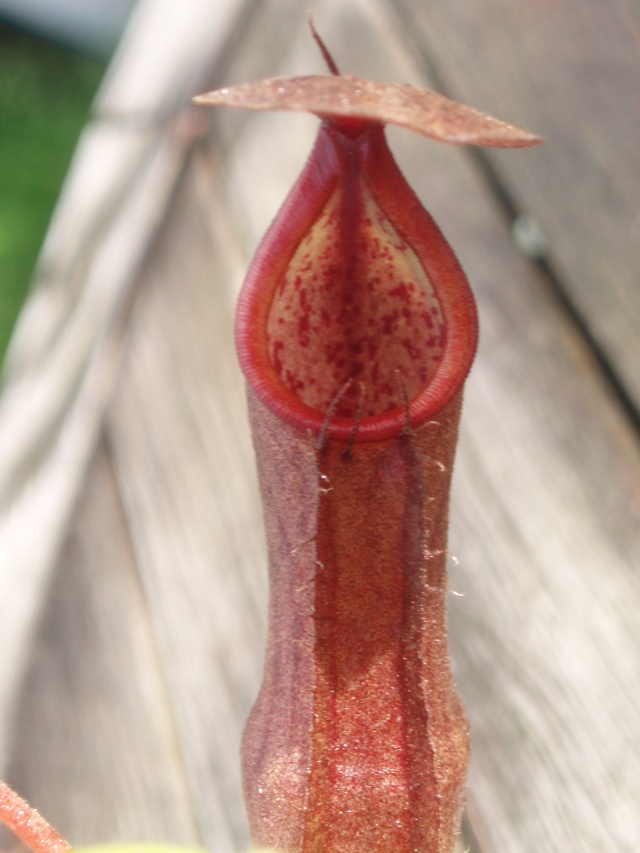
[412, 221]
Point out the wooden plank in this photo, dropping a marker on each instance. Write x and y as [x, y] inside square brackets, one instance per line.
[568, 71]
[94, 745]
[545, 526]
[183, 457]
[64, 354]
[166, 52]
[59, 375]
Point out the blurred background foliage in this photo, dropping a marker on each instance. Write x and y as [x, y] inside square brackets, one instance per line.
[53, 55]
[45, 95]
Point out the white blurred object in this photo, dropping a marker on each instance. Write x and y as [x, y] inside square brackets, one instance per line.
[93, 25]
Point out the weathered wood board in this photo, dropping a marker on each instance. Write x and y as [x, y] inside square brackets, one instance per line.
[570, 71]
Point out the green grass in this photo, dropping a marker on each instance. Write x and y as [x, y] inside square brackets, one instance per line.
[45, 95]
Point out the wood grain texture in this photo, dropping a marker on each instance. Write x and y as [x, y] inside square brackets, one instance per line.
[150, 652]
[178, 429]
[566, 70]
[95, 745]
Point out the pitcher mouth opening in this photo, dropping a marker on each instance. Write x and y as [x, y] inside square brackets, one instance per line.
[360, 311]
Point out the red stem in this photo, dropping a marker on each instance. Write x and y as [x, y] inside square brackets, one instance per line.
[25, 822]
